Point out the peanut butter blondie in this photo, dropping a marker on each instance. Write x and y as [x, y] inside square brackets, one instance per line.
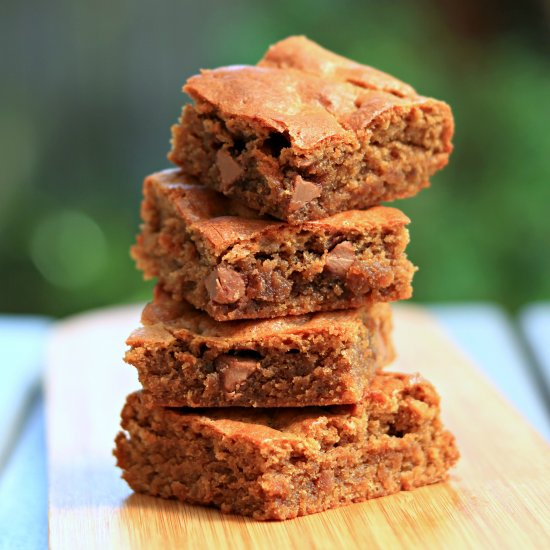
[306, 133]
[186, 359]
[225, 259]
[283, 463]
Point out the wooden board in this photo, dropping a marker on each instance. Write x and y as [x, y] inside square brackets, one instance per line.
[498, 496]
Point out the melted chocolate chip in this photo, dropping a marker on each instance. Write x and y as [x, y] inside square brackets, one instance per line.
[304, 192]
[340, 259]
[225, 285]
[234, 370]
[230, 169]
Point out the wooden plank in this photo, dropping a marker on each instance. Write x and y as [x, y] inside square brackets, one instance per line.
[22, 341]
[24, 487]
[497, 496]
[485, 333]
[535, 323]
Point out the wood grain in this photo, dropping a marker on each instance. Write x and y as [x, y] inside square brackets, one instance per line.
[498, 496]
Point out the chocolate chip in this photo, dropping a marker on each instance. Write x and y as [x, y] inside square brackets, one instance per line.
[224, 285]
[340, 259]
[325, 481]
[234, 370]
[230, 169]
[267, 285]
[364, 276]
[304, 192]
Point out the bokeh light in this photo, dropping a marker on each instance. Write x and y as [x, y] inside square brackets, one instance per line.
[69, 249]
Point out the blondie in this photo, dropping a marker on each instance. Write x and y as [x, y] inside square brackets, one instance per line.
[283, 463]
[307, 133]
[185, 358]
[226, 260]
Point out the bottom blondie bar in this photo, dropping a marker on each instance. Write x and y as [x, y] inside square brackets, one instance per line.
[283, 463]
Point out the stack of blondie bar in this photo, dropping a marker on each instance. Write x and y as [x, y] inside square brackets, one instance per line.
[261, 353]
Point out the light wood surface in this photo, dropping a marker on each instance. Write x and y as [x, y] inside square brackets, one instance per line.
[498, 496]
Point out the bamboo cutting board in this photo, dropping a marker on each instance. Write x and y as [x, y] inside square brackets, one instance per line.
[497, 497]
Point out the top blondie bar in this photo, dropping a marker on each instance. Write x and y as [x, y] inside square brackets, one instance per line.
[307, 133]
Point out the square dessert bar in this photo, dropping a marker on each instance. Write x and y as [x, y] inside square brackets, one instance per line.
[186, 359]
[222, 258]
[283, 463]
[307, 133]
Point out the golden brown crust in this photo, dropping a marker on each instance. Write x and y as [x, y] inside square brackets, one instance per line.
[298, 52]
[179, 318]
[221, 222]
[305, 107]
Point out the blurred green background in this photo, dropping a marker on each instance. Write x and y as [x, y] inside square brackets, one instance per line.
[89, 91]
